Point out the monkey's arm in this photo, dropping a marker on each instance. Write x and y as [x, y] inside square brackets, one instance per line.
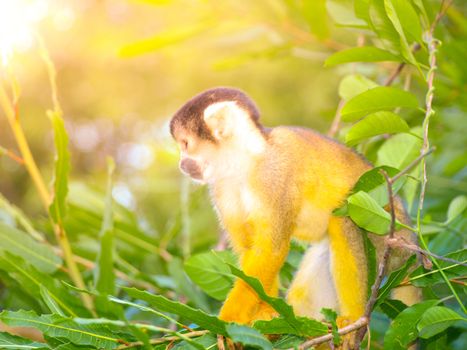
[263, 260]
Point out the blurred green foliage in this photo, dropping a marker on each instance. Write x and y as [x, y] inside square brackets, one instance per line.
[124, 67]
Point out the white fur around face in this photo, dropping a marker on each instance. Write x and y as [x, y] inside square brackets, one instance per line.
[241, 130]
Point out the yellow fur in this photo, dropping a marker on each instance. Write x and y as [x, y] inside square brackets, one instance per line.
[269, 186]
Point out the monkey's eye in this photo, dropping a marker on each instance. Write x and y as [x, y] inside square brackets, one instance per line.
[184, 144]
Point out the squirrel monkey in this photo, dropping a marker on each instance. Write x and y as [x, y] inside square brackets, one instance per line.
[269, 185]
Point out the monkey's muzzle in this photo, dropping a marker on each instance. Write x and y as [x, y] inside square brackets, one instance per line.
[191, 168]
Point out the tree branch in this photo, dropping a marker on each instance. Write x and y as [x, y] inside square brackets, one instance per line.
[361, 322]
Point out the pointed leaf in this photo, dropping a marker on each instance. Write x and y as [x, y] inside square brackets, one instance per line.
[161, 303]
[211, 273]
[19, 243]
[403, 329]
[361, 54]
[436, 319]
[378, 123]
[13, 342]
[62, 168]
[367, 214]
[248, 336]
[456, 208]
[377, 99]
[399, 151]
[104, 275]
[353, 85]
[57, 326]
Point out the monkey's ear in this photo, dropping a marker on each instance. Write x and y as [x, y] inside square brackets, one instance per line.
[219, 118]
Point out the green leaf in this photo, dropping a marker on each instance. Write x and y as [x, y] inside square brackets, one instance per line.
[392, 307]
[165, 39]
[407, 17]
[403, 329]
[314, 12]
[354, 84]
[399, 151]
[20, 218]
[342, 12]
[33, 280]
[296, 325]
[211, 273]
[398, 12]
[161, 303]
[302, 326]
[394, 279]
[422, 278]
[382, 26]
[50, 301]
[370, 252]
[378, 123]
[436, 319]
[104, 276]
[331, 317]
[62, 327]
[13, 342]
[360, 54]
[21, 244]
[183, 284]
[248, 336]
[367, 214]
[456, 208]
[377, 99]
[58, 206]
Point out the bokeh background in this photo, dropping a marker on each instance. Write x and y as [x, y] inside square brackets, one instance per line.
[124, 67]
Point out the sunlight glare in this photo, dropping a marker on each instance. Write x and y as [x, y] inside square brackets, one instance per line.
[17, 19]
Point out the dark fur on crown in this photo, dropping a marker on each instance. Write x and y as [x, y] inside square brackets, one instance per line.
[190, 115]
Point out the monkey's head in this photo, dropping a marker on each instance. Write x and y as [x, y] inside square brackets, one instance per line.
[217, 132]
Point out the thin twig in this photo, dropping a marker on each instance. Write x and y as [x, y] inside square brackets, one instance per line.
[429, 112]
[11, 155]
[412, 165]
[400, 242]
[361, 322]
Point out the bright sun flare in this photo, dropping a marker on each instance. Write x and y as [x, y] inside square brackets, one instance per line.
[17, 19]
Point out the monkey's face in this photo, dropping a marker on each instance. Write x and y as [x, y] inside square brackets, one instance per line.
[218, 133]
[198, 157]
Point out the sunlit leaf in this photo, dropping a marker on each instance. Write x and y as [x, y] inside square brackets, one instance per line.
[378, 123]
[104, 276]
[403, 329]
[315, 13]
[342, 12]
[436, 319]
[456, 208]
[165, 39]
[399, 151]
[248, 336]
[400, 11]
[367, 214]
[21, 244]
[361, 54]
[377, 99]
[353, 85]
[62, 168]
[211, 273]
